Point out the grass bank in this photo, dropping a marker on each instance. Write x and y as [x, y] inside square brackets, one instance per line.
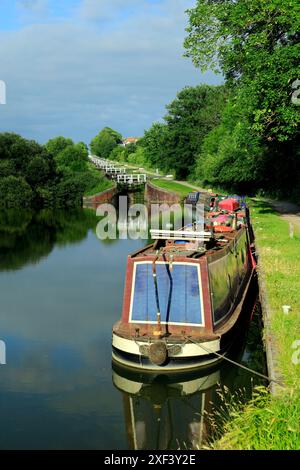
[98, 182]
[182, 189]
[268, 421]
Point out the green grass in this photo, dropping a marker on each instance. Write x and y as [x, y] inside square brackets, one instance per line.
[280, 259]
[98, 182]
[179, 188]
[265, 423]
[273, 422]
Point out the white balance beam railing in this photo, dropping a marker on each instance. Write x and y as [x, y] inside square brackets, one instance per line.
[191, 235]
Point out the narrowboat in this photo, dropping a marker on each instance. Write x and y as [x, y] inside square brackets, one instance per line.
[185, 293]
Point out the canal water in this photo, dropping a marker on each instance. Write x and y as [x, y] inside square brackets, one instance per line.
[61, 291]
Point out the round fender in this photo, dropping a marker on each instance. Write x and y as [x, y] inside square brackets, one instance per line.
[158, 353]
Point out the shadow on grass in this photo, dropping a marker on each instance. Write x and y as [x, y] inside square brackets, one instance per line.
[263, 207]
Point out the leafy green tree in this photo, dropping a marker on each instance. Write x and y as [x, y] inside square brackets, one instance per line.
[155, 143]
[38, 171]
[255, 43]
[46, 196]
[31, 175]
[119, 154]
[138, 156]
[72, 159]
[69, 193]
[176, 144]
[7, 168]
[15, 192]
[104, 142]
[226, 157]
[58, 144]
[7, 141]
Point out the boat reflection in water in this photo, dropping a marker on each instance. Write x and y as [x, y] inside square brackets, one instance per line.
[166, 411]
[180, 410]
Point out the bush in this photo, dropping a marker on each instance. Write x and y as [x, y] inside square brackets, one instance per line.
[15, 192]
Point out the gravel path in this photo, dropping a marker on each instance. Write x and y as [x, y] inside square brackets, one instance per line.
[288, 210]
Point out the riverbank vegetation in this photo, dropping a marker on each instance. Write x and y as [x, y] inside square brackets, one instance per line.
[255, 44]
[174, 186]
[57, 174]
[242, 136]
[173, 146]
[272, 422]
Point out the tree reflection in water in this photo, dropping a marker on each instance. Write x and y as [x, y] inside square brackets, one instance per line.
[26, 236]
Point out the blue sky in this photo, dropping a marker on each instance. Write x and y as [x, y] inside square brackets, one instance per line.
[72, 67]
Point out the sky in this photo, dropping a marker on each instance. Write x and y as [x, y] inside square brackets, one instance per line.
[72, 67]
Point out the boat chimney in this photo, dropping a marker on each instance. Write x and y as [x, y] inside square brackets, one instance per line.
[234, 222]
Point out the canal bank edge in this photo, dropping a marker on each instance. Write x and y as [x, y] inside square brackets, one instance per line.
[100, 198]
[268, 339]
[154, 194]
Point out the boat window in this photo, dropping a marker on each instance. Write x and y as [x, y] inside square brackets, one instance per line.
[178, 292]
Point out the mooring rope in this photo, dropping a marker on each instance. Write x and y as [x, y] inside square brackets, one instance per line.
[222, 356]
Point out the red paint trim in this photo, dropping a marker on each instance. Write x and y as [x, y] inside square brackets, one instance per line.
[127, 290]
[173, 329]
[253, 262]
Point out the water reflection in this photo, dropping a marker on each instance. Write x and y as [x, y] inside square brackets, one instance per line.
[26, 236]
[180, 411]
[61, 291]
[166, 412]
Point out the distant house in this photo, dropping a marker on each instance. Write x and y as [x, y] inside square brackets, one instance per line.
[129, 140]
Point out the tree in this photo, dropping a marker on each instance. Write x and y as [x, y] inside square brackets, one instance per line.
[137, 157]
[7, 140]
[15, 192]
[69, 193]
[58, 144]
[7, 167]
[255, 43]
[105, 142]
[226, 156]
[38, 171]
[118, 153]
[72, 159]
[176, 144]
[30, 177]
[155, 143]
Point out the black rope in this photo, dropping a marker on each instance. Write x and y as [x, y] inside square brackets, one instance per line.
[155, 287]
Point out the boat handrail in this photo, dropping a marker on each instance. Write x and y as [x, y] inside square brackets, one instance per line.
[179, 235]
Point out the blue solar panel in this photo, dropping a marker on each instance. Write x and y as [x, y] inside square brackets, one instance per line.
[178, 292]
